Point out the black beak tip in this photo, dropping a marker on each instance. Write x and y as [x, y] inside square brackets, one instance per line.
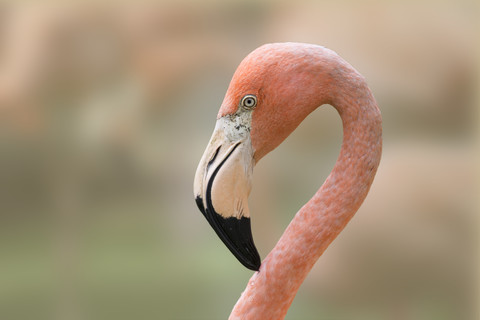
[235, 233]
[252, 264]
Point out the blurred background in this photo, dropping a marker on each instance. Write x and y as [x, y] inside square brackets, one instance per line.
[105, 110]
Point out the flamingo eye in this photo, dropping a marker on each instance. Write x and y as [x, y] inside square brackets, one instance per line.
[249, 101]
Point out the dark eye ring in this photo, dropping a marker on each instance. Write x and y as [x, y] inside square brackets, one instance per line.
[249, 101]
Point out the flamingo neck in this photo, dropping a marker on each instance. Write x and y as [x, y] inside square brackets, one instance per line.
[271, 291]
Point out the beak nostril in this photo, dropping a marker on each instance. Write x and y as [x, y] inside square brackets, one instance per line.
[213, 158]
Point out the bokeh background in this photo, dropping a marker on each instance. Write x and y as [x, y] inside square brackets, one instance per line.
[105, 110]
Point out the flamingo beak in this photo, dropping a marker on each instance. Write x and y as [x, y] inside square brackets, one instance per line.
[222, 185]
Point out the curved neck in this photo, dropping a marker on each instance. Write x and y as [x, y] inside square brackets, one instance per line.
[271, 291]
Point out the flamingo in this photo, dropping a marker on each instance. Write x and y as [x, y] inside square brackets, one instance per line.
[274, 88]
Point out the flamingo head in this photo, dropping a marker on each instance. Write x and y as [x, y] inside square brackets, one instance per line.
[272, 91]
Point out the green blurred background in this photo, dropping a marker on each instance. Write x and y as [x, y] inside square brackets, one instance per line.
[105, 110]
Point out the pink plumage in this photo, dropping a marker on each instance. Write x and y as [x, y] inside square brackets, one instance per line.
[290, 80]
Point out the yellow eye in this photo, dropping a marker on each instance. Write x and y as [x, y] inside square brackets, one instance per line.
[249, 101]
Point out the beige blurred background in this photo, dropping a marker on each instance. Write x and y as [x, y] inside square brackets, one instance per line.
[105, 110]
